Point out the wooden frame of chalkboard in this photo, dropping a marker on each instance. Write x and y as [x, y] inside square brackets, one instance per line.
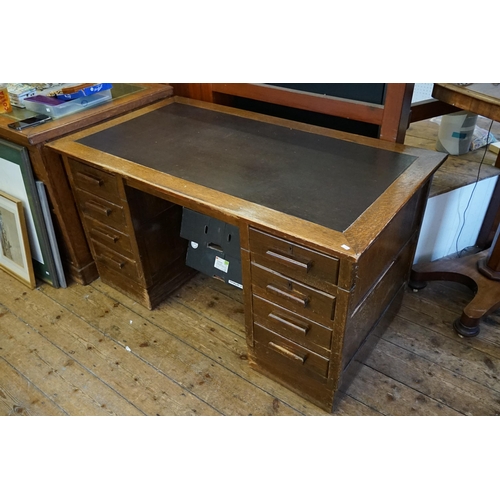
[386, 106]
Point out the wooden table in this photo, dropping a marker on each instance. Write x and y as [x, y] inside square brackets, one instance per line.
[480, 272]
[328, 223]
[47, 166]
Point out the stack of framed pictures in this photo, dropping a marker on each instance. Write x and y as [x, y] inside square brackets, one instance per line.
[17, 184]
[15, 253]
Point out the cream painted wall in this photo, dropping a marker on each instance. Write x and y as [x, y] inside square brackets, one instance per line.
[444, 217]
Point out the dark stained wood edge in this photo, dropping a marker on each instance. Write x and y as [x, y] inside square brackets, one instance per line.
[429, 109]
[396, 115]
[200, 91]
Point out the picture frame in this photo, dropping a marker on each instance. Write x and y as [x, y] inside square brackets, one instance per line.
[17, 180]
[15, 253]
[44, 202]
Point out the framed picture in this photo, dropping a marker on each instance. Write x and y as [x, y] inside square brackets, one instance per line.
[17, 180]
[15, 254]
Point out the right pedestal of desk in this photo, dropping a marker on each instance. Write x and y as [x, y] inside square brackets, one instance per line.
[311, 311]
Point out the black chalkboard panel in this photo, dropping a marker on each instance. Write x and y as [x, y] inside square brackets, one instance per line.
[310, 117]
[371, 93]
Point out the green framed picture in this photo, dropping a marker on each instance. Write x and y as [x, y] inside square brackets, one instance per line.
[17, 180]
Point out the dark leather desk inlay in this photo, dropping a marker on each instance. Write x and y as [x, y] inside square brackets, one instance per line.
[319, 179]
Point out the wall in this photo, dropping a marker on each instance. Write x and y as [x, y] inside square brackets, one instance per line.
[444, 217]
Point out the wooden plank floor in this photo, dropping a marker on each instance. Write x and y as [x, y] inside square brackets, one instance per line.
[89, 350]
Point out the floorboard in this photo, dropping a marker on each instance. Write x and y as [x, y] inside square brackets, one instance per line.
[89, 350]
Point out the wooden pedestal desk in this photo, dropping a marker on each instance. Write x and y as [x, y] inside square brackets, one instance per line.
[328, 223]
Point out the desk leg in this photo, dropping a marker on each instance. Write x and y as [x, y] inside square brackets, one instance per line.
[490, 265]
[492, 217]
[465, 270]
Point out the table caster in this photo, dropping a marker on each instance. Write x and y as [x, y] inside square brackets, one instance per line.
[417, 285]
[465, 331]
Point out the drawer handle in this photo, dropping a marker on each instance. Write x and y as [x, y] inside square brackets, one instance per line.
[285, 352]
[300, 328]
[300, 300]
[98, 208]
[118, 264]
[90, 179]
[289, 261]
[109, 237]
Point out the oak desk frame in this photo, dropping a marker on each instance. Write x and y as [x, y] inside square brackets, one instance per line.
[359, 273]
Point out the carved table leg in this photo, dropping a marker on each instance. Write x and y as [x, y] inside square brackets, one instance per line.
[490, 266]
[465, 271]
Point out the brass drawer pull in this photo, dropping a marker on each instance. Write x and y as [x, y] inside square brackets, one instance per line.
[109, 237]
[98, 208]
[289, 261]
[115, 263]
[90, 179]
[300, 328]
[303, 301]
[285, 352]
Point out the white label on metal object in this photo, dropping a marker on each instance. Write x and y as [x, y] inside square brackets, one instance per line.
[231, 282]
[221, 264]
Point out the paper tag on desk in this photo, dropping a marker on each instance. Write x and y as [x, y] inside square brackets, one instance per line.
[221, 264]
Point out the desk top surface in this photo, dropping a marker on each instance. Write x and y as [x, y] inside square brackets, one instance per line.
[320, 179]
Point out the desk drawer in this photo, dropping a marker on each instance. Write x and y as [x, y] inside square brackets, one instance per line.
[110, 237]
[293, 260]
[95, 181]
[292, 326]
[290, 294]
[270, 345]
[118, 263]
[100, 209]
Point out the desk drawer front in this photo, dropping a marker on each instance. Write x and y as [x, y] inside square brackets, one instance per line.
[297, 297]
[95, 181]
[109, 237]
[293, 260]
[116, 262]
[100, 209]
[292, 326]
[293, 356]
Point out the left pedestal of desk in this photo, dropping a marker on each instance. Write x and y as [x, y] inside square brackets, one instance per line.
[133, 236]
